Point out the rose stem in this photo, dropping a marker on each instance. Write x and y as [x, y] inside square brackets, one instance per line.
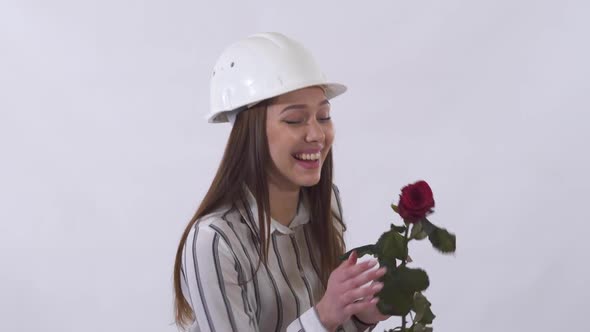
[404, 264]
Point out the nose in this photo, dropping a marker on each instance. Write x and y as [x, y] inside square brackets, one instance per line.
[315, 132]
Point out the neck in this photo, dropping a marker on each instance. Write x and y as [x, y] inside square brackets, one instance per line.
[283, 202]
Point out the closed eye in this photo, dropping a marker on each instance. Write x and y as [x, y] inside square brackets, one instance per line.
[299, 122]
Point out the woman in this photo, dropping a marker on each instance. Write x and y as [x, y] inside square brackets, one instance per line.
[261, 252]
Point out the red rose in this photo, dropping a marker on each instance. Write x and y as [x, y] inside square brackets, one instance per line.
[415, 202]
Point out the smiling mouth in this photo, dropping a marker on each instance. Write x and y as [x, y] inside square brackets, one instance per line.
[308, 156]
[314, 161]
[308, 164]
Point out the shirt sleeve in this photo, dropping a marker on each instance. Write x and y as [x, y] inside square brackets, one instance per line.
[213, 288]
[310, 322]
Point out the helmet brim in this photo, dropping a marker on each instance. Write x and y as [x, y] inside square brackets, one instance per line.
[332, 90]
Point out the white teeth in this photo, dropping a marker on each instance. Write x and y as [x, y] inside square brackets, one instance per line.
[308, 156]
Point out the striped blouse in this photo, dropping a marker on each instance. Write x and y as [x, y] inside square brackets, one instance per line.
[221, 254]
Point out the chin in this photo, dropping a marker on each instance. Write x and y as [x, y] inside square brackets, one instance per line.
[308, 181]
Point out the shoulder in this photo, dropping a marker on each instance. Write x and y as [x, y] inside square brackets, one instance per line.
[336, 196]
[220, 227]
[212, 248]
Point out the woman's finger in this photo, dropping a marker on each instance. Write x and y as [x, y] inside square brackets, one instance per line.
[347, 270]
[359, 306]
[350, 261]
[355, 270]
[365, 277]
[362, 292]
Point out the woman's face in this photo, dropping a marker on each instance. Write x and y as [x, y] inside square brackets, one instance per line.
[300, 135]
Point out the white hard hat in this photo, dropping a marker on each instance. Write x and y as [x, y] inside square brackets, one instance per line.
[259, 67]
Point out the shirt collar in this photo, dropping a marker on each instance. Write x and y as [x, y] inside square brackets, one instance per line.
[249, 210]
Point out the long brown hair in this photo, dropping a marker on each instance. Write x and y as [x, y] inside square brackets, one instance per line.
[245, 161]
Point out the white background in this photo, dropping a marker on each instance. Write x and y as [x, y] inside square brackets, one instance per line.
[105, 154]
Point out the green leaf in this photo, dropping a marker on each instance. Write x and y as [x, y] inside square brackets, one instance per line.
[395, 208]
[421, 328]
[399, 229]
[420, 306]
[442, 240]
[391, 245]
[360, 251]
[417, 232]
[427, 226]
[399, 286]
[411, 279]
[394, 301]
[428, 316]
[420, 301]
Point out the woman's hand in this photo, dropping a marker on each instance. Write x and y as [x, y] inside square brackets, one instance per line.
[372, 315]
[345, 287]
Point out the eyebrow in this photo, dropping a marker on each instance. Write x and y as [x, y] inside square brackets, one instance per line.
[303, 106]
